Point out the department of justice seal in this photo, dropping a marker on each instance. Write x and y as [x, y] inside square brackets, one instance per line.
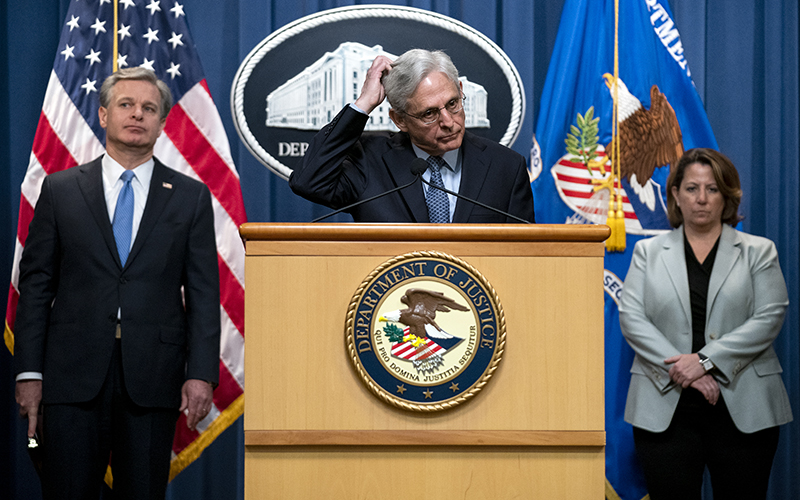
[425, 331]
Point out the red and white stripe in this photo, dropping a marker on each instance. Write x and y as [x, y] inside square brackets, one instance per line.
[574, 184]
[408, 352]
[63, 140]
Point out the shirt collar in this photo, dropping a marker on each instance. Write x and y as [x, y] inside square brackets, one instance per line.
[450, 157]
[112, 171]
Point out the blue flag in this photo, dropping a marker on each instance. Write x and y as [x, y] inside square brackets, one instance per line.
[570, 165]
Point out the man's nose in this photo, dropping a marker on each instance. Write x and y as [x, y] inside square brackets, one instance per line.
[445, 118]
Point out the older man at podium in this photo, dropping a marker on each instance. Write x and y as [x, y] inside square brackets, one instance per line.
[345, 166]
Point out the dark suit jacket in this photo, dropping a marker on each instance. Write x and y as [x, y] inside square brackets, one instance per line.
[343, 165]
[72, 284]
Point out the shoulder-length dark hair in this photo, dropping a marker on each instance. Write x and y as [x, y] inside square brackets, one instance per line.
[725, 175]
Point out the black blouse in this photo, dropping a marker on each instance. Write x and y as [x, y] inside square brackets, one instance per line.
[699, 276]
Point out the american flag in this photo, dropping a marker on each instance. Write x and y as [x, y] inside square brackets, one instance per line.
[407, 350]
[97, 36]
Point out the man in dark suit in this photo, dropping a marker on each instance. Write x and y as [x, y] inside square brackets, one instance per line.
[343, 165]
[118, 324]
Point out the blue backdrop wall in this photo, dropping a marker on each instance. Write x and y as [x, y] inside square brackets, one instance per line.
[744, 60]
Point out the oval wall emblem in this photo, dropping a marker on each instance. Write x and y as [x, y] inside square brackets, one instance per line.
[298, 78]
[425, 331]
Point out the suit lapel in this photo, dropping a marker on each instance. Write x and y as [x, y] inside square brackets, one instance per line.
[398, 162]
[727, 255]
[90, 182]
[474, 170]
[157, 199]
[674, 260]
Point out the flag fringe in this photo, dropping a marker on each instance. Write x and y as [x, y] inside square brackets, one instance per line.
[196, 448]
[8, 336]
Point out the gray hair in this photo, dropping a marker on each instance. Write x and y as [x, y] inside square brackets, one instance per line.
[410, 69]
[137, 73]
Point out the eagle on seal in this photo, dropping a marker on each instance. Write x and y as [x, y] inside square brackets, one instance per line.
[649, 138]
[421, 311]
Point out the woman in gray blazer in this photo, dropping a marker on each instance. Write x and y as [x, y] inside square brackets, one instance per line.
[701, 307]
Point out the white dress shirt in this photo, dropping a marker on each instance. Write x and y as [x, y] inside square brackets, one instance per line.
[112, 187]
[451, 176]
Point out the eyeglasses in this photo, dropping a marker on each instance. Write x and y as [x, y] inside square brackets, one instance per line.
[432, 115]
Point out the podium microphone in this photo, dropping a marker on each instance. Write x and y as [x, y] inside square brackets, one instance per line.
[417, 167]
[476, 202]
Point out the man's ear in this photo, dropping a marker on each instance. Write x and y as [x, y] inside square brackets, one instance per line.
[101, 114]
[399, 119]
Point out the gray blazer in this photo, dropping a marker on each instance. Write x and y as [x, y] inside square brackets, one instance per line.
[747, 301]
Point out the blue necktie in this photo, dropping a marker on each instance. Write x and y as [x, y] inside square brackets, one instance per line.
[438, 204]
[123, 217]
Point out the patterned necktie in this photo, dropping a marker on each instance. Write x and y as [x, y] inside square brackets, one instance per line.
[123, 217]
[438, 204]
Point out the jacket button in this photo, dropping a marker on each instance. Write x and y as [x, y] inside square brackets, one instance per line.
[713, 336]
[123, 280]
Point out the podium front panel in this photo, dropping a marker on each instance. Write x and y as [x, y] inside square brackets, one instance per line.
[536, 430]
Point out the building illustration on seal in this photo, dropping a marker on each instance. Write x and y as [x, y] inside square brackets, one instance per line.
[310, 100]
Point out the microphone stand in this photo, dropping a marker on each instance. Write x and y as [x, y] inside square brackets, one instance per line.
[495, 210]
[418, 177]
[418, 166]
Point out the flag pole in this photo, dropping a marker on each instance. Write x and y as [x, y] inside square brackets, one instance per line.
[616, 214]
[115, 52]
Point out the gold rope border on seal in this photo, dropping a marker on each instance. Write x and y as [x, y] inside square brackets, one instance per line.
[394, 400]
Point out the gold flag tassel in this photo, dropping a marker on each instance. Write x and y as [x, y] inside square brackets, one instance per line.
[611, 221]
[614, 201]
[616, 215]
[619, 221]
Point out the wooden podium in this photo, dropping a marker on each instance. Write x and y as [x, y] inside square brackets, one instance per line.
[312, 428]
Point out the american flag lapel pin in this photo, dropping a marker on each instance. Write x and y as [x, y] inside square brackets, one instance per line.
[166, 185]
